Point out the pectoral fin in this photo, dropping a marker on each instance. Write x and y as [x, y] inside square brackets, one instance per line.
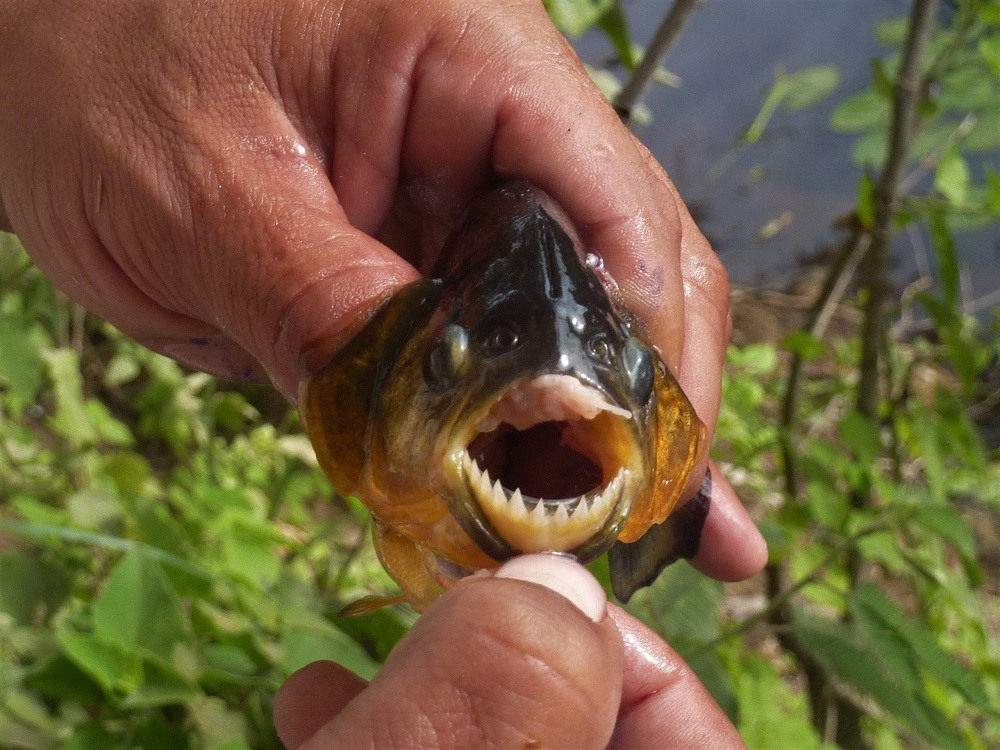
[637, 564]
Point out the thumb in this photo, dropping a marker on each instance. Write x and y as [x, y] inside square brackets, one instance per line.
[526, 658]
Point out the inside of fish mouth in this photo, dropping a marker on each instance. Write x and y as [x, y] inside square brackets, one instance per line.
[547, 461]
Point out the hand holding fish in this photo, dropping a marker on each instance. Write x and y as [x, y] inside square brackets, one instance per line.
[242, 184]
[504, 662]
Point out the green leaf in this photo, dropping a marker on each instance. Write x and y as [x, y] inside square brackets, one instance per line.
[950, 524]
[248, 550]
[614, 24]
[827, 504]
[804, 345]
[861, 435]
[379, 631]
[810, 85]
[866, 201]
[91, 736]
[230, 660]
[794, 91]
[162, 685]
[870, 149]
[892, 31]
[115, 669]
[772, 716]
[882, 81]
[109, 429]
[863, 111]
[303, 645]
[849, 654]
[156, 733]
[71, 419]
[573, 17]
[216, 722]
[951, 178]
[993, 185]
[989, 48]
[683, 604]
[20, 366]
[988, 11]
[127, 470]
[44, 532]
[947, 260]
[984, 136]
[31, 589]
[95, 509]
[138, 608]
[123, 368]
[62, 679]
[879, 614]
[234, 744]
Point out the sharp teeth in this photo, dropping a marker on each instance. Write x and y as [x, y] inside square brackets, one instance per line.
[485, 491]
[517, 504]
[558, 527]
[499, 496]
[537, 514]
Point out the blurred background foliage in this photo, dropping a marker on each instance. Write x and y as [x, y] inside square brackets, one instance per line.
[169, 551]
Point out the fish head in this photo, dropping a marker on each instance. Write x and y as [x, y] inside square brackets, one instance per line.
[547, 389]
[510, 404]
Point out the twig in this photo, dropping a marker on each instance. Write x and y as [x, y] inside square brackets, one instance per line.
[876, 272]
[833, 291]
[642, 77]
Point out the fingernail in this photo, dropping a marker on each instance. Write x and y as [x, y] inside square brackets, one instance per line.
[563, 575]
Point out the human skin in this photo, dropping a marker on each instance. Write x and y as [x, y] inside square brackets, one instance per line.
[566, 671]
[239, 184]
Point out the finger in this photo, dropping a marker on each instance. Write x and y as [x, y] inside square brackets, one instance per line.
[495, 662]
[731, 547]
[499, 92]
[310, 698]
[664, 705]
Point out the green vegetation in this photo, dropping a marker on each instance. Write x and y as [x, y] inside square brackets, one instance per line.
[169, 551]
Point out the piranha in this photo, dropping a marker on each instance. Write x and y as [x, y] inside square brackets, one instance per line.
[510, 404]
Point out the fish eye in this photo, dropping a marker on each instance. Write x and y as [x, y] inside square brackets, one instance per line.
[599, 348]
[447, 359]
[639, 367]
[502, 339]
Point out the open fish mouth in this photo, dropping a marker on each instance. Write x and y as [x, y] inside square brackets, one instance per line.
[550, 464]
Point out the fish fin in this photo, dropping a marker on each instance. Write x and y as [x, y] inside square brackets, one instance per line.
[406, 563]
[637, 564]
[370, 603]
[338, 400]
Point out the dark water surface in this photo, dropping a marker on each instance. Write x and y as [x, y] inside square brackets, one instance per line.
[799, 177]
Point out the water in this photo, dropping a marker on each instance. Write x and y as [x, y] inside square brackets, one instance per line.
[768, 205]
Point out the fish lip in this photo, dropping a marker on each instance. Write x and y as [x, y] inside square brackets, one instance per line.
[469, 504]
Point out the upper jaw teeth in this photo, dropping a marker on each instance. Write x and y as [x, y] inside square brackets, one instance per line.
[529, 524]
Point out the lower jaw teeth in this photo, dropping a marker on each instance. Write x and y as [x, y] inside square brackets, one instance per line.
[534, 525]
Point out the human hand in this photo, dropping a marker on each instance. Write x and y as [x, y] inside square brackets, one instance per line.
[504, 662]
[238, 184]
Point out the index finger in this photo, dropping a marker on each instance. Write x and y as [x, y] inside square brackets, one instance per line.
[664, 705]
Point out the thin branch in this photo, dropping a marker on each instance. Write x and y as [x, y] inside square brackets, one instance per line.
[642, 77]
[833, 291]
[876, 273]
[833, 715]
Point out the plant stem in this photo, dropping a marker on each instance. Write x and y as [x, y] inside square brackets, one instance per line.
[642, 77]
[876, 268]
[833, 291]
[833, 715]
